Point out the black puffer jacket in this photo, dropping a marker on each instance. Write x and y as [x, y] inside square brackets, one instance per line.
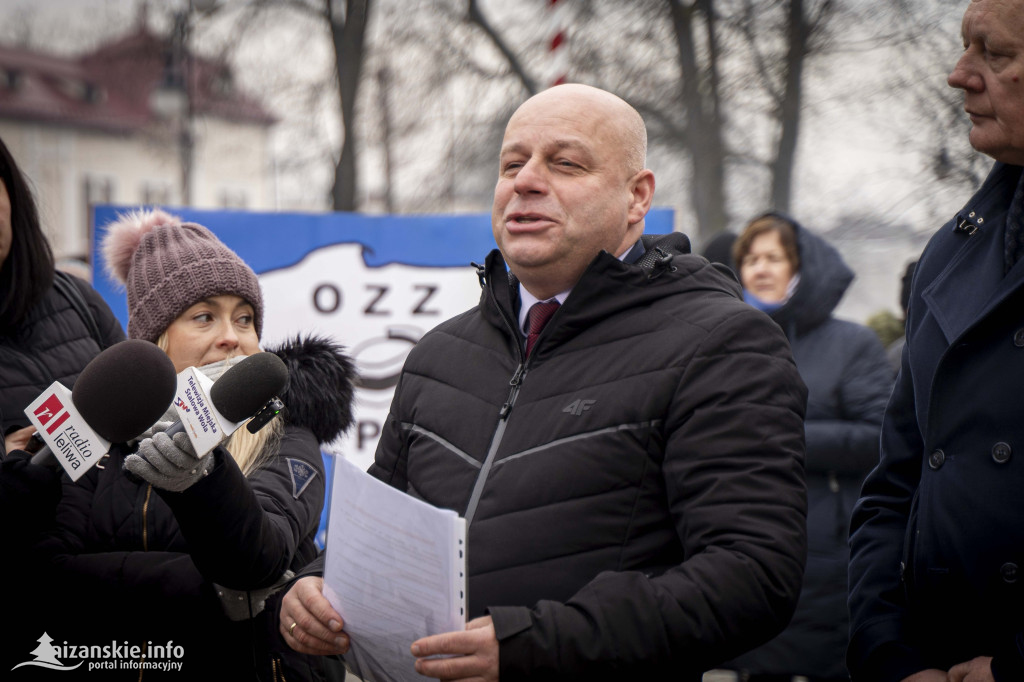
[135, 564]
[849, 380]
[129, 562]
[52, 344]
[634, 489]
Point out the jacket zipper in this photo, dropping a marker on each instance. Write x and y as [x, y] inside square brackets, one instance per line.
[145, 548]
[506, 409]
[145, 514]
[277, 669]
[514, 383]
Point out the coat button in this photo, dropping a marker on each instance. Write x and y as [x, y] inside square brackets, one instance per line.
[936, 459]
[1001, 453]
[1009, 572]
[1018, 338]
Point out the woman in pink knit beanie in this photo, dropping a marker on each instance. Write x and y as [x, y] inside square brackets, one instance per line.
[160, 547]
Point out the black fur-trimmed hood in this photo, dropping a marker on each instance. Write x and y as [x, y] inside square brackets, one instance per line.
[319, 391]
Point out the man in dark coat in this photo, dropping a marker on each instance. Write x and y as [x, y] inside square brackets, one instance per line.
[630, 474]
[938, 537]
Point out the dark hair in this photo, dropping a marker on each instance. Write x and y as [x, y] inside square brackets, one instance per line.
[719, 249]
[27, 272]
[769, 222]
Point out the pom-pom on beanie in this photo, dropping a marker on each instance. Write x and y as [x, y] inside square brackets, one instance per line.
[167, 266]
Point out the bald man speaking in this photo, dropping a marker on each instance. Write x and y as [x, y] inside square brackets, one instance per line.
[622, 434]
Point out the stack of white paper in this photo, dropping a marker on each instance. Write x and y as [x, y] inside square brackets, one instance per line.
[395, 571]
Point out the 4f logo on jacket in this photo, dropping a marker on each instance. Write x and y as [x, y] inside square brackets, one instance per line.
[578, 407]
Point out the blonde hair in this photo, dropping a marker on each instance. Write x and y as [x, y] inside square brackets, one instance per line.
[252, 450]
[249, 450]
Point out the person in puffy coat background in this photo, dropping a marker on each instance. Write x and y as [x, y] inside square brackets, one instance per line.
[797, 278]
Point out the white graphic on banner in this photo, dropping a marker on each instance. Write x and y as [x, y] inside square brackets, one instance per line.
[377, 313]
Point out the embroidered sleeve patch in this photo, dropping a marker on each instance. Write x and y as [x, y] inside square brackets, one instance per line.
[302, 475]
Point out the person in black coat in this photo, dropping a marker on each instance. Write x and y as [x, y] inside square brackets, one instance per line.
[719, 249]
[798, 279]
[895, 349]
[937, 544]
[631, 474]
[51, 326]
[157, 545]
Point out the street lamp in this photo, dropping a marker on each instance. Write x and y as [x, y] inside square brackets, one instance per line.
[174, 97]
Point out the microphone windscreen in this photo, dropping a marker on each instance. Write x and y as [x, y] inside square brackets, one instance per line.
[242, 390]
[125, 389]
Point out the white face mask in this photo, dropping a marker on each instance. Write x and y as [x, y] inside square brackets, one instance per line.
[214, 370]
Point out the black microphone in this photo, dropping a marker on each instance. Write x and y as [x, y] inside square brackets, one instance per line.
[121, 392]
[245, 389]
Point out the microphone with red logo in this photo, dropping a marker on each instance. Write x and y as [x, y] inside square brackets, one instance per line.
[119, 394]
[248, 389]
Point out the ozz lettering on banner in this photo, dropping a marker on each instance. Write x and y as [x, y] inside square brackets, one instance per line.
[378, 299]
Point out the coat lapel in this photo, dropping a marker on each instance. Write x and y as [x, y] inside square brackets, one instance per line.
[972, 282]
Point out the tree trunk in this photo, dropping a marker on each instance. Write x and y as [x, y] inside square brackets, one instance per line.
[703, 138]
[384, 88]
[348, 36]
[789, 108]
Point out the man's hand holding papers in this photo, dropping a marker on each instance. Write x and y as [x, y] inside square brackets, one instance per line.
[309, 623]
[395, 571]
[472, 653]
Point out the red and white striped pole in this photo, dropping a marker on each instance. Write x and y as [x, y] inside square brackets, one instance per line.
[558, 53]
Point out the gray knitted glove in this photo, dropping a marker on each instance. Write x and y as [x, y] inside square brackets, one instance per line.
[168, 464]
[159, 427]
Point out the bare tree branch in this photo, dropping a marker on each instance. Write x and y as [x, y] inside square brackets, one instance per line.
[477, 17]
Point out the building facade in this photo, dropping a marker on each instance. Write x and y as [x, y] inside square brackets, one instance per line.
[138, 121]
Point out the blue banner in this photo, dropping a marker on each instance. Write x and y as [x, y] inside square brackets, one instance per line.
[375, 284]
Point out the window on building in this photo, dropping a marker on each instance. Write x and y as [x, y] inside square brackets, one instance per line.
[98, 189]
[10, 79]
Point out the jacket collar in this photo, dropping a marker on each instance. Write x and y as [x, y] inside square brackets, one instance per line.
[972, 281]
[607, 287]
[527, 300]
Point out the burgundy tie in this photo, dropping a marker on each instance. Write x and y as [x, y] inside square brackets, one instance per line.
[538, 316]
